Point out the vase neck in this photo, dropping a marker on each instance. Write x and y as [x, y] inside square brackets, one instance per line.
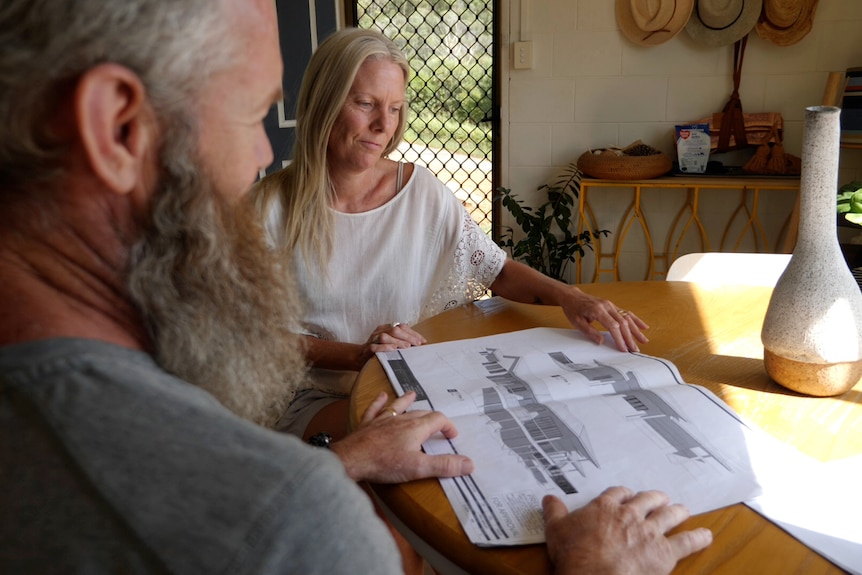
[818, 186]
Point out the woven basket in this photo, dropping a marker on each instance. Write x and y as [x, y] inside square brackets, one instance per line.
[610, 166]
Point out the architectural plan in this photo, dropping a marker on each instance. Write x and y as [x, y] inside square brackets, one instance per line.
[548, 411]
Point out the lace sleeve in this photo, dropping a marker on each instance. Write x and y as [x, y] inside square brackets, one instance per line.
[475, 265]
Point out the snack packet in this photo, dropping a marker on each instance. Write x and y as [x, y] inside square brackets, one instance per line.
[692, 147]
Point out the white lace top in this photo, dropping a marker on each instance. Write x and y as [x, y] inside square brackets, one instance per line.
[411, 258]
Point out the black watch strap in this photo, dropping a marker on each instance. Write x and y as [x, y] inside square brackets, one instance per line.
[321, 439]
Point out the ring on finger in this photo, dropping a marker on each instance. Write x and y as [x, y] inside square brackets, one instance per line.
[623, 312]
[395, 324]
[392, 411]
[376, 339]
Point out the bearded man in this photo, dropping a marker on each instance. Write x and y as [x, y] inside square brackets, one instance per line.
[145, 333]
[134, 281]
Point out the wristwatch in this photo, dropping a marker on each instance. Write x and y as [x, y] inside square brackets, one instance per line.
[321, 439]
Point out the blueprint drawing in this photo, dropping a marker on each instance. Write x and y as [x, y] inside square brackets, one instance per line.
[547, 411]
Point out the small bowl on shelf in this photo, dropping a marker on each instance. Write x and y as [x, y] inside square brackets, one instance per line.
[637, 161]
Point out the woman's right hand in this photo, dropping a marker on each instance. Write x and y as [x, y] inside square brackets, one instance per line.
[387, 337]
[328, 354]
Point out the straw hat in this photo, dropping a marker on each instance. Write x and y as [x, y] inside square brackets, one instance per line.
[652, 22]
[722, 22]
[785, 22]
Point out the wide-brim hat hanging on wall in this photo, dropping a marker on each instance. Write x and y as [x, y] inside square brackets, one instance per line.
[652, 22]
[785, 22]
[722, 22]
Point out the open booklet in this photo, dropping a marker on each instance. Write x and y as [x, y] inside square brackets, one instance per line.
[548, 411]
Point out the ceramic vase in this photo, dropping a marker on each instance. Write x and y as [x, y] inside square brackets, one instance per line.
[812, 332]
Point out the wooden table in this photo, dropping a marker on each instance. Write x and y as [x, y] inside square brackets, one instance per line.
[713, 336]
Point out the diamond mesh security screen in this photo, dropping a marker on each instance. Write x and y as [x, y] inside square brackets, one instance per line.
[449, 44]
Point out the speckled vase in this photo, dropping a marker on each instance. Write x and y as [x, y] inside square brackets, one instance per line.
[812, 332]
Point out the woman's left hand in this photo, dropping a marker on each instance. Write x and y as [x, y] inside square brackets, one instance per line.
[624, 326]
[519, 282]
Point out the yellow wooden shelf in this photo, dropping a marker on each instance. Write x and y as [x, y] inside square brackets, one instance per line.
[688, 219]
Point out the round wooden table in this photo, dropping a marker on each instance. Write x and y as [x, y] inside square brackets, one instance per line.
[713, 337]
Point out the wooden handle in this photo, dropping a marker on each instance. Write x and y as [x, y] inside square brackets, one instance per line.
[835, 83]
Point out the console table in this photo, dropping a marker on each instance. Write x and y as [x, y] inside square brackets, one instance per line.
[688, 219]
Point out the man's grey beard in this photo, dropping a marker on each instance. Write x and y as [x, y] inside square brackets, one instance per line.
[212, 295]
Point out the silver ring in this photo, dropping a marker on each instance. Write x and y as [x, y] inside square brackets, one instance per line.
[395, 324]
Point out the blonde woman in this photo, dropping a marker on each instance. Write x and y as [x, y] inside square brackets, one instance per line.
[376, 245]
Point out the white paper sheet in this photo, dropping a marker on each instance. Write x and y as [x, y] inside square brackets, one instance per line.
[547, 411]
[818, 503]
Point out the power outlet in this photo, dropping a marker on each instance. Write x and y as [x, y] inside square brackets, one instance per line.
[523, 55]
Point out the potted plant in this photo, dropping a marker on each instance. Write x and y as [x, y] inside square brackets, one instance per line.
[548, 243]
[850, 223]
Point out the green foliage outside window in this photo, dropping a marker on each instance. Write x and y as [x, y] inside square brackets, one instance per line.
[449, 45]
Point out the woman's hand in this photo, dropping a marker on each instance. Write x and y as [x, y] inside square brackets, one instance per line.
[327, 354]
[519, 282]
[625, 327]
[387, 337]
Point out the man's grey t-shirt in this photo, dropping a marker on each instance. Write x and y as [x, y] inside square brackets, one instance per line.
[108, 464]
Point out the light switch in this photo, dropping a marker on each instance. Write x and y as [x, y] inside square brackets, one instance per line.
[523, 55]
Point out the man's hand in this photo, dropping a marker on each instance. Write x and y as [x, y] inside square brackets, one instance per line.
[619, 532]
[387, 447]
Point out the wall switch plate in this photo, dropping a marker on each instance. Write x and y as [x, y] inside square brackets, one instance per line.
[523, 57]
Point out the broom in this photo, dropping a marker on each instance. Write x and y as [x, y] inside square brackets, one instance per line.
[777, 163]
[757, 163]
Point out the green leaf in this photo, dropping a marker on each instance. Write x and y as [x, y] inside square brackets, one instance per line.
[851, 187]
[550, 242]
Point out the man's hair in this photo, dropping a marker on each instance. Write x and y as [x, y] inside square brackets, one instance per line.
[46, 45]
[304, 186]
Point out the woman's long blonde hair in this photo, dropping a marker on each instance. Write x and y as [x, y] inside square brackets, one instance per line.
[304, 187]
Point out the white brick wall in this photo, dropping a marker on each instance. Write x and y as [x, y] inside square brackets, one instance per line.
[590, 87]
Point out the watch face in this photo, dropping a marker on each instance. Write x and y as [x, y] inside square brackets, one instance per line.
[320, 440]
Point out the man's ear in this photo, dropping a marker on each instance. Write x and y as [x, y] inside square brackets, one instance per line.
[115, 124]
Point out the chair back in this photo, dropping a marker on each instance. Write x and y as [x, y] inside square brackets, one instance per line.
[721, 268]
